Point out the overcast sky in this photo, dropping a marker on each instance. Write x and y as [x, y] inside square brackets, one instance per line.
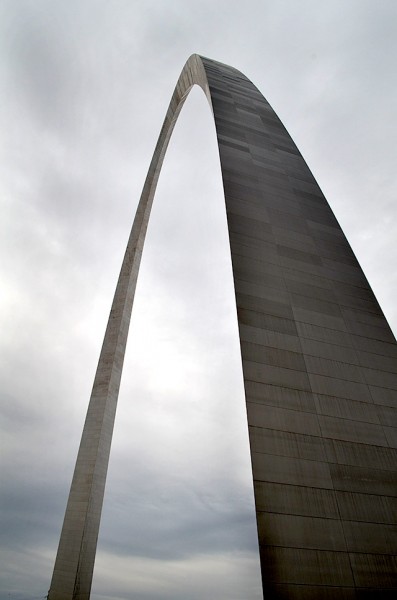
[85, 85]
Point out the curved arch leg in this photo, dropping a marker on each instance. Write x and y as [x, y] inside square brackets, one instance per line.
[319, 364]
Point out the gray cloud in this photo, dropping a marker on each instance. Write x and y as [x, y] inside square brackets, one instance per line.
[85, 87]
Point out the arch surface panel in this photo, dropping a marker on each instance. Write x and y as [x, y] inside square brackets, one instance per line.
[319, 364]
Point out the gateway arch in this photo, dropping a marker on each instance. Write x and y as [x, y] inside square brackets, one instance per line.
[319, 364]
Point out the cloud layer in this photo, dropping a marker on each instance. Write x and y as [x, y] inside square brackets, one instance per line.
[85, 86]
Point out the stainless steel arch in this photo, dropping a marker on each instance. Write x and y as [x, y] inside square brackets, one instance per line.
[315, 349]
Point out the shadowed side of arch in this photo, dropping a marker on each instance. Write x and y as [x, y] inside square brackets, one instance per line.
[308, 325]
